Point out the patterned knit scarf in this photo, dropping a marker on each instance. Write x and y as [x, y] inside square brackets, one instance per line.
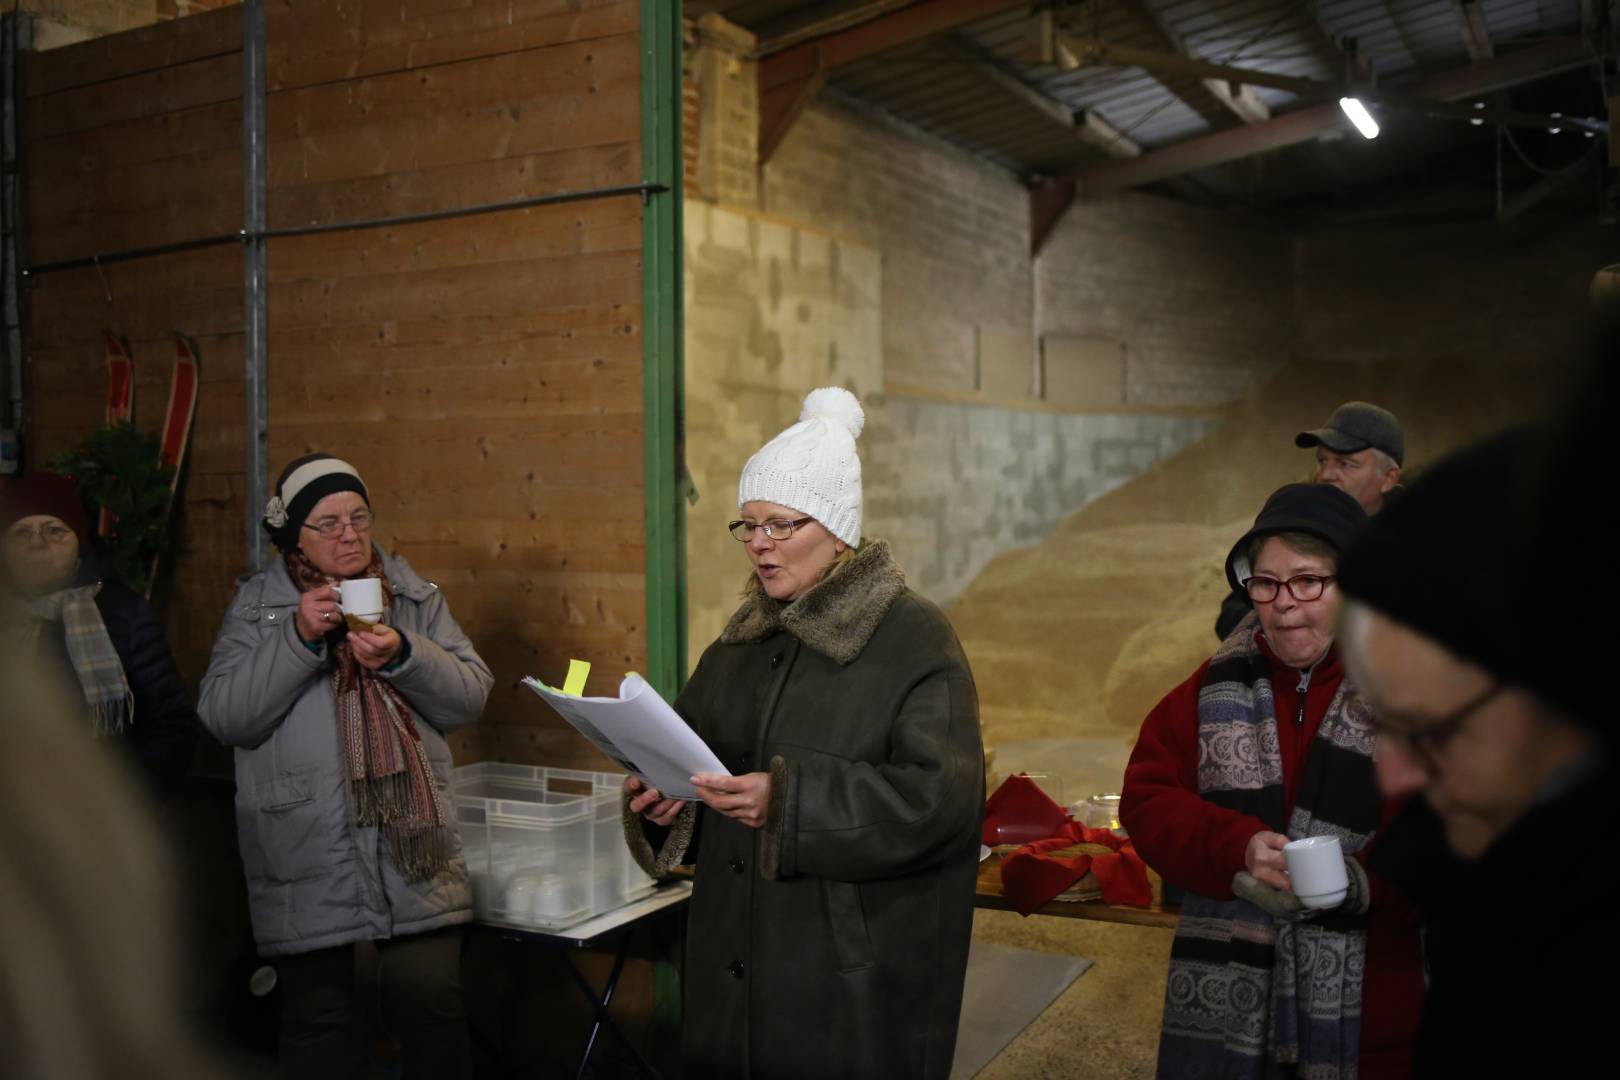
[1249, 995]
[390, 776]
[90, 650]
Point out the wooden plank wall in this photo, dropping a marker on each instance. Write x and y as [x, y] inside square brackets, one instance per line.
[484, 373]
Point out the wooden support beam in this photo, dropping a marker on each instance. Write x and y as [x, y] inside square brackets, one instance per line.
[790, 79]
[783, 33]
[1085, 124]
[1542, 189]
[1098, 132]
[1476, 34]
[1154, 62]
[1241, 99]
[1215, 106]
[1048, 203]
[1303, 125]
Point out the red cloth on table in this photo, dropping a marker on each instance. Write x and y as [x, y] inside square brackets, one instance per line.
[1018, 812]
[1031, 876]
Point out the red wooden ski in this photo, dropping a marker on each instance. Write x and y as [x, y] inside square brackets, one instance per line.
[120, 402]
[120, 380]
[176, 433]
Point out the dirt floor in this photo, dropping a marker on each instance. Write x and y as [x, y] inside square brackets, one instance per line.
[1074, 640]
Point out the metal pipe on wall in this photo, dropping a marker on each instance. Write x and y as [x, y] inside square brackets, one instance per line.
[255, 286]
[318, 228]
[18, 35]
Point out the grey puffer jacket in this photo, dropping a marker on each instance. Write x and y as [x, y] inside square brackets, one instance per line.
[316, 879]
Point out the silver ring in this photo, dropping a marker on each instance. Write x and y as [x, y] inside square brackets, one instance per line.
[326, 616]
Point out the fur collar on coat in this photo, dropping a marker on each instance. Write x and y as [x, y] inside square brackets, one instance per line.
[836, 616]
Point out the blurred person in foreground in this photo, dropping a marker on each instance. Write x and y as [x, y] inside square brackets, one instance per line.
[89, 633]
[1266, 742]
[829, 926]
[1476, 622]
[90, 956]
[343, 775]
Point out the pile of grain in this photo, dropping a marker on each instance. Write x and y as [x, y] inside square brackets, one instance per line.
[1080, 635]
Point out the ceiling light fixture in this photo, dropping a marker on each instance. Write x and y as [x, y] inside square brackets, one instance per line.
[1359, 116]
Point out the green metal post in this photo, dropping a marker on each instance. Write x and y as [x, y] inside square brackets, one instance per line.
[662, 335]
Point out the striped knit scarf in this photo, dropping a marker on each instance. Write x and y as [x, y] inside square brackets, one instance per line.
[390, 776]
[90, 650]
[1249, 995]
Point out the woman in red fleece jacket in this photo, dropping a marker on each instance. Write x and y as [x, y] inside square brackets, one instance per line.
[1264, 743]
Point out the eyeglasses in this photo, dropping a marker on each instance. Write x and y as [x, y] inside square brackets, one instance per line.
[1263, 590]
[1426, 741]
[21, 536]
[780, 529]
[331, 528]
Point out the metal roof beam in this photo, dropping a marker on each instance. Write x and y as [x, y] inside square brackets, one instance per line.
[1085, 125]
[1476, 34]
[1430, 93]
[1217, 104]
[790, 79]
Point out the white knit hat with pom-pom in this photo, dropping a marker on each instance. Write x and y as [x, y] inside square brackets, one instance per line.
[812, 467]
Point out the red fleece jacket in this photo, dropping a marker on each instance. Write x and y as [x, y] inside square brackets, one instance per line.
[1199, 846]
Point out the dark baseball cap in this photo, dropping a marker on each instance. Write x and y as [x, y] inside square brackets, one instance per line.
[1356, 425]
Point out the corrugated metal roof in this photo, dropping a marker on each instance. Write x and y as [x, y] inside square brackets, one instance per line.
[940, 92]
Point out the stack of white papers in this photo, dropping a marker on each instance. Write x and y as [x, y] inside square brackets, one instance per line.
[639, 730]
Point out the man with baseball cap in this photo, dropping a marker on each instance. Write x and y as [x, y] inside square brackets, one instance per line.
[1359, 451]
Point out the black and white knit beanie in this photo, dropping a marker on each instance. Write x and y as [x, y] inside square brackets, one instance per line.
[303, 483]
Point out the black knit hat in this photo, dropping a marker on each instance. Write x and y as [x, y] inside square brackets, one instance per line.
[1321, 510]
[303, 483]
[1448, 560]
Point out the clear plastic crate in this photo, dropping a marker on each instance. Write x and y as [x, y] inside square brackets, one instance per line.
[545, 847]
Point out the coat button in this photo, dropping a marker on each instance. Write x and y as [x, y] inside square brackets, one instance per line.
[736, 864]
[736, 968]
[776, 661]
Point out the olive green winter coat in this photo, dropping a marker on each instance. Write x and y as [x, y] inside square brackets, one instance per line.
[833, 942]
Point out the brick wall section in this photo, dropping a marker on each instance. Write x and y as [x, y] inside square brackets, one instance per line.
[1201, 298]
[953, 230]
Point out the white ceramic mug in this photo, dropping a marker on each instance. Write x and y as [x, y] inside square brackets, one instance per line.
[361, 597]
[1316, 871]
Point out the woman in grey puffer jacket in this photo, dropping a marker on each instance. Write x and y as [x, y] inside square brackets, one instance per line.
[343, 812]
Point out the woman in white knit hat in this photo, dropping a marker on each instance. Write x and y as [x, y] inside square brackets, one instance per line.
[836, 864]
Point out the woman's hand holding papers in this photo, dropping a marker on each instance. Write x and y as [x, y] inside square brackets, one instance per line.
[742, 797]
[650, 803]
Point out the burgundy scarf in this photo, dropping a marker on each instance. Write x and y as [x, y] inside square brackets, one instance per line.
[389, 773]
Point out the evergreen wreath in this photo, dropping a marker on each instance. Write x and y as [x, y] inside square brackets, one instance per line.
[118, 469]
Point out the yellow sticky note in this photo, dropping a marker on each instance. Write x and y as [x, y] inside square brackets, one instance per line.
[578, 671]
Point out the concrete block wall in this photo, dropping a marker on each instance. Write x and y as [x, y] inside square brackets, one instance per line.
[953, 230]
[1201, 298]
[951, 485]
[773, 310]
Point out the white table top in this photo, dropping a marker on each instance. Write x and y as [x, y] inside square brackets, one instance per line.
[584, 935]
